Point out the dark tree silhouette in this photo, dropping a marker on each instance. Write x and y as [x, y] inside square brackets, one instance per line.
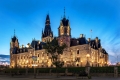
[54, 49]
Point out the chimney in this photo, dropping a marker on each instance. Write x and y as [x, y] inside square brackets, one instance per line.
[22, 46]
[96, 39]
[81, 35]
[88, 39]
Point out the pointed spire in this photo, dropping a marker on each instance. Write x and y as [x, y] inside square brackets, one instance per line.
[47, 30]
[47, 18]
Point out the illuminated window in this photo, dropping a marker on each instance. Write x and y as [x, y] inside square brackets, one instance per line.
[67, 33]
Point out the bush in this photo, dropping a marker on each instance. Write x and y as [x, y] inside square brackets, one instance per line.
[102, 70]
[89, 77]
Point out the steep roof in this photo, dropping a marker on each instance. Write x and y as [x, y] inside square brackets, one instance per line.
[95, 45]
[47, 30]
[79, 41]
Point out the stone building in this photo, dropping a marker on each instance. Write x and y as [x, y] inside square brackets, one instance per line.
[78, 53]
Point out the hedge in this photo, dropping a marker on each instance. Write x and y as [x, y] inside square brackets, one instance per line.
[62, 70]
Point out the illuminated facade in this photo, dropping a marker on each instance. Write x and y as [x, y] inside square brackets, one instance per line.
[79, 51]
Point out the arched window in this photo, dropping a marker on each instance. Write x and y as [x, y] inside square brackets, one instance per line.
[38, 55]
[77, 51]
[77, 65]
[65, 30]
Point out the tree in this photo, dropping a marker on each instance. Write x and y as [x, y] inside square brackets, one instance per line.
[54, 49]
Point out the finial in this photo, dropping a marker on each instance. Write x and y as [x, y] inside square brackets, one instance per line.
[14, 32]
[64, 11]
[61, 17]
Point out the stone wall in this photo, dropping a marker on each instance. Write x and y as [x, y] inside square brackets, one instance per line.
[75, 56]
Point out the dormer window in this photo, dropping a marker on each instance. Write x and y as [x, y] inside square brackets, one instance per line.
[38, 55]
[24, 50]
[38, 47]
[77, 42]
[20, 50]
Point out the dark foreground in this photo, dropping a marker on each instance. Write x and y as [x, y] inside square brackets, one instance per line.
[4, 77]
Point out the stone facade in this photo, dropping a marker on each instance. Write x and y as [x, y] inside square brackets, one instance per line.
[78, 52]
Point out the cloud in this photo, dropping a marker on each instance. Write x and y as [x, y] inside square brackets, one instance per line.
[4, 58]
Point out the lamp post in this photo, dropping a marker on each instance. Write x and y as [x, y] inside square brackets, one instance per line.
[92, 63]
[102, 64]
[98, 64]
[105, 64]
[87, 60]
[81, 63]
[87, 56]
[27, 68]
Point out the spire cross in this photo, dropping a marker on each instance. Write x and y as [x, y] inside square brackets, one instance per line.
[64, 11]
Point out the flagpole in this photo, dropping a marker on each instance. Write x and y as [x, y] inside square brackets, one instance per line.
[91, 33]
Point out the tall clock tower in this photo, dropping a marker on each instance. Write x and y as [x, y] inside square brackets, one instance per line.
[64, 31]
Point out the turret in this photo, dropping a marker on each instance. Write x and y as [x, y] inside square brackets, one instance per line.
[14, 41]
[64, 31]
[81, 35]
[88, 39]
[96, 40]
[47, 34]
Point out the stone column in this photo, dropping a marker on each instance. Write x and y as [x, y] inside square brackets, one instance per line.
[115, 71]
[66, 72]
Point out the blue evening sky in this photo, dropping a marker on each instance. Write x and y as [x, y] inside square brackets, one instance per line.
[27, 17]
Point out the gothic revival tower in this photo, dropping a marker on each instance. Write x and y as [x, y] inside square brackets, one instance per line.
[14, 42]
[14, 46]
[47, 34]
[64, 31]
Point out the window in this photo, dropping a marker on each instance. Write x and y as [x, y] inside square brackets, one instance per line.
[65, 30]
[38, 47]
[38, 55]
[77, 51]
[77, 65]
[77, 42]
